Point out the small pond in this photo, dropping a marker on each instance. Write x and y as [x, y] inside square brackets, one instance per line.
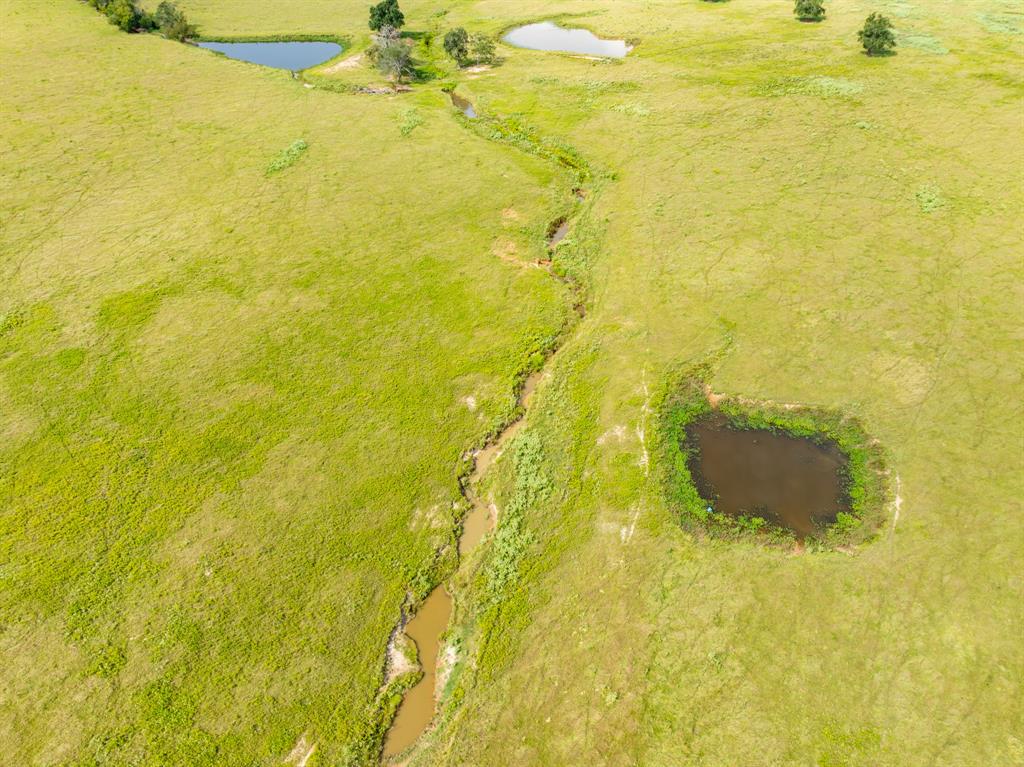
[546, 36]
[793, 482]
[294, 56]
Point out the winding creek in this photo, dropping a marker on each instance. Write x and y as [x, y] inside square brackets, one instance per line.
[432, 618]
[418, 706]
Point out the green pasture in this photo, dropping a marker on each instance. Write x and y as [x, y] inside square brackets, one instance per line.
[250, 325]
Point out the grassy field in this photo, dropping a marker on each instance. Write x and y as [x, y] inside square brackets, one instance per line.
[234, 403]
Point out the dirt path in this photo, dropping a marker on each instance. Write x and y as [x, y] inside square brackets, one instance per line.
[350, 63]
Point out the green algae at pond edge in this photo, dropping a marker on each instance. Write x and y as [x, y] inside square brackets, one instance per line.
[738, 467]
[793, 482]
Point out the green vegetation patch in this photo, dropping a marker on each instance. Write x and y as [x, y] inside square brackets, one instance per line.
[929, 199]
[900, 8]
[287, 157]
[531, 486]
[811, 85]
[515, 131]
[632, 109]
[863, 476]
[411, 119]
[1002, 23]
[921, 41]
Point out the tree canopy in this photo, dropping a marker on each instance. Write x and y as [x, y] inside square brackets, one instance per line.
[809, 10]
[483, 48]
[393, 58]
[123, 14]
[456, 44]
[876, 36]
[386, 14]
[172, 22]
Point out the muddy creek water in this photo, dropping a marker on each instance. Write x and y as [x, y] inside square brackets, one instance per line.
[482, 515]
[426, 627]
[417, 707]
[558, 233]
[790, 481]
[464, 106]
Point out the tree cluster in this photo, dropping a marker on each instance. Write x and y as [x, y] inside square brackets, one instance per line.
[809, 10]
[391, 54]
[464, 48]
[172, 22]
[876, 36]
[127, 16]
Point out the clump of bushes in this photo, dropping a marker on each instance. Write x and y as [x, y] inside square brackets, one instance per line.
[482, 47]
[877, 36]
[127, 16]
[809, 10]
[172, 22]
[467, 49]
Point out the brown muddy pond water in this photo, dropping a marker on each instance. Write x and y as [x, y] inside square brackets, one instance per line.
[417, 708]
[793, 482]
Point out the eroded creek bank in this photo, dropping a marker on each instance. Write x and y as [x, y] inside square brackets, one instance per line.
[430, 620]
[417, 709]
[427, 626]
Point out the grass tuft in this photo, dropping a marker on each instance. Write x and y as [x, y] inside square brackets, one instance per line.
[287, 157]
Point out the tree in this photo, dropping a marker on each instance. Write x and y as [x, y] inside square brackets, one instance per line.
[877, 37]
[386, 14]
[456, 44]
[809, 10]
[483, 48]
[123, 14]
[172, 23]
[393, 58]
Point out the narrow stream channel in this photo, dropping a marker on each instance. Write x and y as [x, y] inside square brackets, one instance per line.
[416, 711]
[417, 707]
[481, 517]
[426, 627]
